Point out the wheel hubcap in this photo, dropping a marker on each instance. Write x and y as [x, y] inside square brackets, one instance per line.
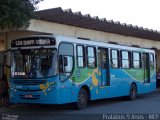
[133, 92]
[82, 99]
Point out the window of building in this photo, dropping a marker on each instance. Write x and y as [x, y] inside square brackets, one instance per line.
[91, 57]
[80, 56]
[136, 60]
[125, 59]
[114, 58]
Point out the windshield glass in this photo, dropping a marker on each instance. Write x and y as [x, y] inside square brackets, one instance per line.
[34, 63]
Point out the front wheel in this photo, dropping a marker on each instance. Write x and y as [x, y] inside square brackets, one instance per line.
[133, 92]
[82, 99]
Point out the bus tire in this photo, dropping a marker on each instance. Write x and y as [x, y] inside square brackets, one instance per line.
[82, 101]
[133, 92]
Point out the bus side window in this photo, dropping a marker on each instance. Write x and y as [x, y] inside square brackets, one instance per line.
[114, 58]
[151, 61]
[91, 57]
[81, 56]
[136, 60]
[125, 59]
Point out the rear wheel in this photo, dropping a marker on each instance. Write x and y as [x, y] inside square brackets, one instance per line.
[82, 99]
[133, 92]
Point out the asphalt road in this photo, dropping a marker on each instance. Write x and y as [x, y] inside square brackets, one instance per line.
[144, 104]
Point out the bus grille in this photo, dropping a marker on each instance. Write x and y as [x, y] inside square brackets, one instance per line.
[29, 82]
[33, 97]
[37, 90]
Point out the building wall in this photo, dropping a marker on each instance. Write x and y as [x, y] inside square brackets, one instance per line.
[38, 26]
[55, 28]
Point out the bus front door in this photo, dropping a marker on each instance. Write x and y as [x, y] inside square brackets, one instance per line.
[103, 66]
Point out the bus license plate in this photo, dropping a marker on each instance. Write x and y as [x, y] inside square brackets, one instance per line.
[28, 96]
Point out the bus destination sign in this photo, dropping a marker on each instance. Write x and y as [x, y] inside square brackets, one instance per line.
[33, 42]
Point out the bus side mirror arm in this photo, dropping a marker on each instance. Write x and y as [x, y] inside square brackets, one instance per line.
[61, 64]
[65, 60]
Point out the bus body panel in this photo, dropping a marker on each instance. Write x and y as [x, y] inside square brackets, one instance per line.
[54, 91]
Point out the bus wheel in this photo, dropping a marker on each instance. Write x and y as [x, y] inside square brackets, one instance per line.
[133, 92]
[82, 99]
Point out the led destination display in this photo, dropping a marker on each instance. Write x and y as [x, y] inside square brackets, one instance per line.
[33, 42]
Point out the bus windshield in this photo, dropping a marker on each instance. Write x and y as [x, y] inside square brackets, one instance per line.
[34, 63]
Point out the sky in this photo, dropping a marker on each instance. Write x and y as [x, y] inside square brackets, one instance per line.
[143, 13]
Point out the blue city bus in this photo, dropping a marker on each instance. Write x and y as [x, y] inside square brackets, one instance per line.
[52, 69]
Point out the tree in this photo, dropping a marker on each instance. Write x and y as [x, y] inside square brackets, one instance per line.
[15, 14]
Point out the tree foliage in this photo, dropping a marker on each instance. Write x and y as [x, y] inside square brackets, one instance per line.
[15, 14]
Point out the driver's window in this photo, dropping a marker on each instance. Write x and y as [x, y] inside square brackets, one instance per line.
[65, 60]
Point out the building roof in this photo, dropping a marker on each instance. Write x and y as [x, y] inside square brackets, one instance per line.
[76, 19]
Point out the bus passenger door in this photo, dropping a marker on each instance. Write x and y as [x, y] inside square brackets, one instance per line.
[103, 66]
[146, 67]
